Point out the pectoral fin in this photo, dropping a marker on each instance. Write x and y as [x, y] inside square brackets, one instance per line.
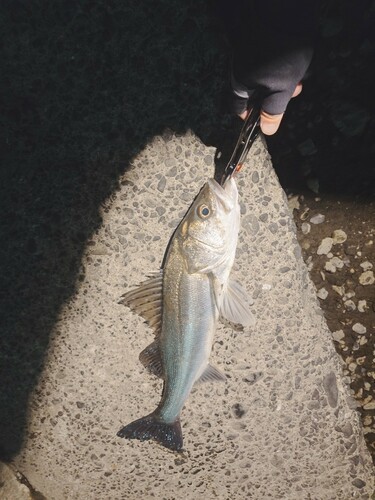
[212, 374]
[151, 359]
[235, 304]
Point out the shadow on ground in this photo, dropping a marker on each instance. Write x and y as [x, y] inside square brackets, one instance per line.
[326, 143]
[85, 84]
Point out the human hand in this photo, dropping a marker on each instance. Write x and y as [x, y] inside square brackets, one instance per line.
[272, 50]
[276, 78]
[269, 124]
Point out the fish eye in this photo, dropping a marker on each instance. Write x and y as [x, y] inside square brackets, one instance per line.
[203, 211]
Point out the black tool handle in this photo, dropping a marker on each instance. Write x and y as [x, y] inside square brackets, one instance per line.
[249, 133]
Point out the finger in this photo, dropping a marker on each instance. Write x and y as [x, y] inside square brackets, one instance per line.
[244, 114]
[269, 124]
[297, 90]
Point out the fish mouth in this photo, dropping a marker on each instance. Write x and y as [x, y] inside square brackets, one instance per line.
[227, 194]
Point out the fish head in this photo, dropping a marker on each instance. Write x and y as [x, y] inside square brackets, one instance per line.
[209, 231]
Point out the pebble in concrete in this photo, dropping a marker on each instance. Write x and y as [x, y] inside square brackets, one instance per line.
[277, 429]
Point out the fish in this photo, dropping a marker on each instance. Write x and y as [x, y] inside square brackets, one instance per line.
[182, 303]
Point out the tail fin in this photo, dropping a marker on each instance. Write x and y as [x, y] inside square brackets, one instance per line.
[151, 427]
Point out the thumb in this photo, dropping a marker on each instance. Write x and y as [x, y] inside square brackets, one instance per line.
[270, 123]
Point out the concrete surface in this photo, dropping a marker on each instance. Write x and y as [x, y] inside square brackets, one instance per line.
[11, 487]
[282, 427]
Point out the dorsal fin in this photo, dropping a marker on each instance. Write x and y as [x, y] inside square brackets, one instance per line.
[146, 300]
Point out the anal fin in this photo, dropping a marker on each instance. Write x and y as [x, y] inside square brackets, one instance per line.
[151, 359]
[212, 374]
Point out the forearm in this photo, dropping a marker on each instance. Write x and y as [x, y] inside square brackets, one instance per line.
[289, 17]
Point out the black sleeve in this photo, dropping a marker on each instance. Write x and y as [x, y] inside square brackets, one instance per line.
[272, 44]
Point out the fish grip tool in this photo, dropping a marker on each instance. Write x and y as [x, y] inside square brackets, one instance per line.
[249, 132]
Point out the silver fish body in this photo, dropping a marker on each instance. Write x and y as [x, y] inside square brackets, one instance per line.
[183, 303]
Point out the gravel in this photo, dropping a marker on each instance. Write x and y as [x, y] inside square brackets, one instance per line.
[340, 254]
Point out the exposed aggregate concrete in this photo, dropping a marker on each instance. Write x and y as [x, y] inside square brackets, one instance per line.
[283, 426]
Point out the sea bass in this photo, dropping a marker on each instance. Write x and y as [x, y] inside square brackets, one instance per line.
[182, 303]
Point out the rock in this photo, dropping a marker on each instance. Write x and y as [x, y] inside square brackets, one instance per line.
[350, 249]
[362, 341]
[304, 214]
[358, 483]
[161, 184]
[325, 246]
[338, 262]
[338, 335]
[307, 148]
[352, 367]
[322, 293]
[366, 265]
[293, 203]
[369, 406]
[172, 172]
[367, 278]
[313, 184]
[99, 249]
[361, 360]
[339, 236]
[333, 264]
[317, 219]
[362, 306]
[328, 266]
[359, 328]
[349, 118]
[330, 387]
[339, 289]
[305, 228]
[306, 245]
[349, 305]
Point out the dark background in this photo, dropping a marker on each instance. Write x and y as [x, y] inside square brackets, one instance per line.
[84, 85]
